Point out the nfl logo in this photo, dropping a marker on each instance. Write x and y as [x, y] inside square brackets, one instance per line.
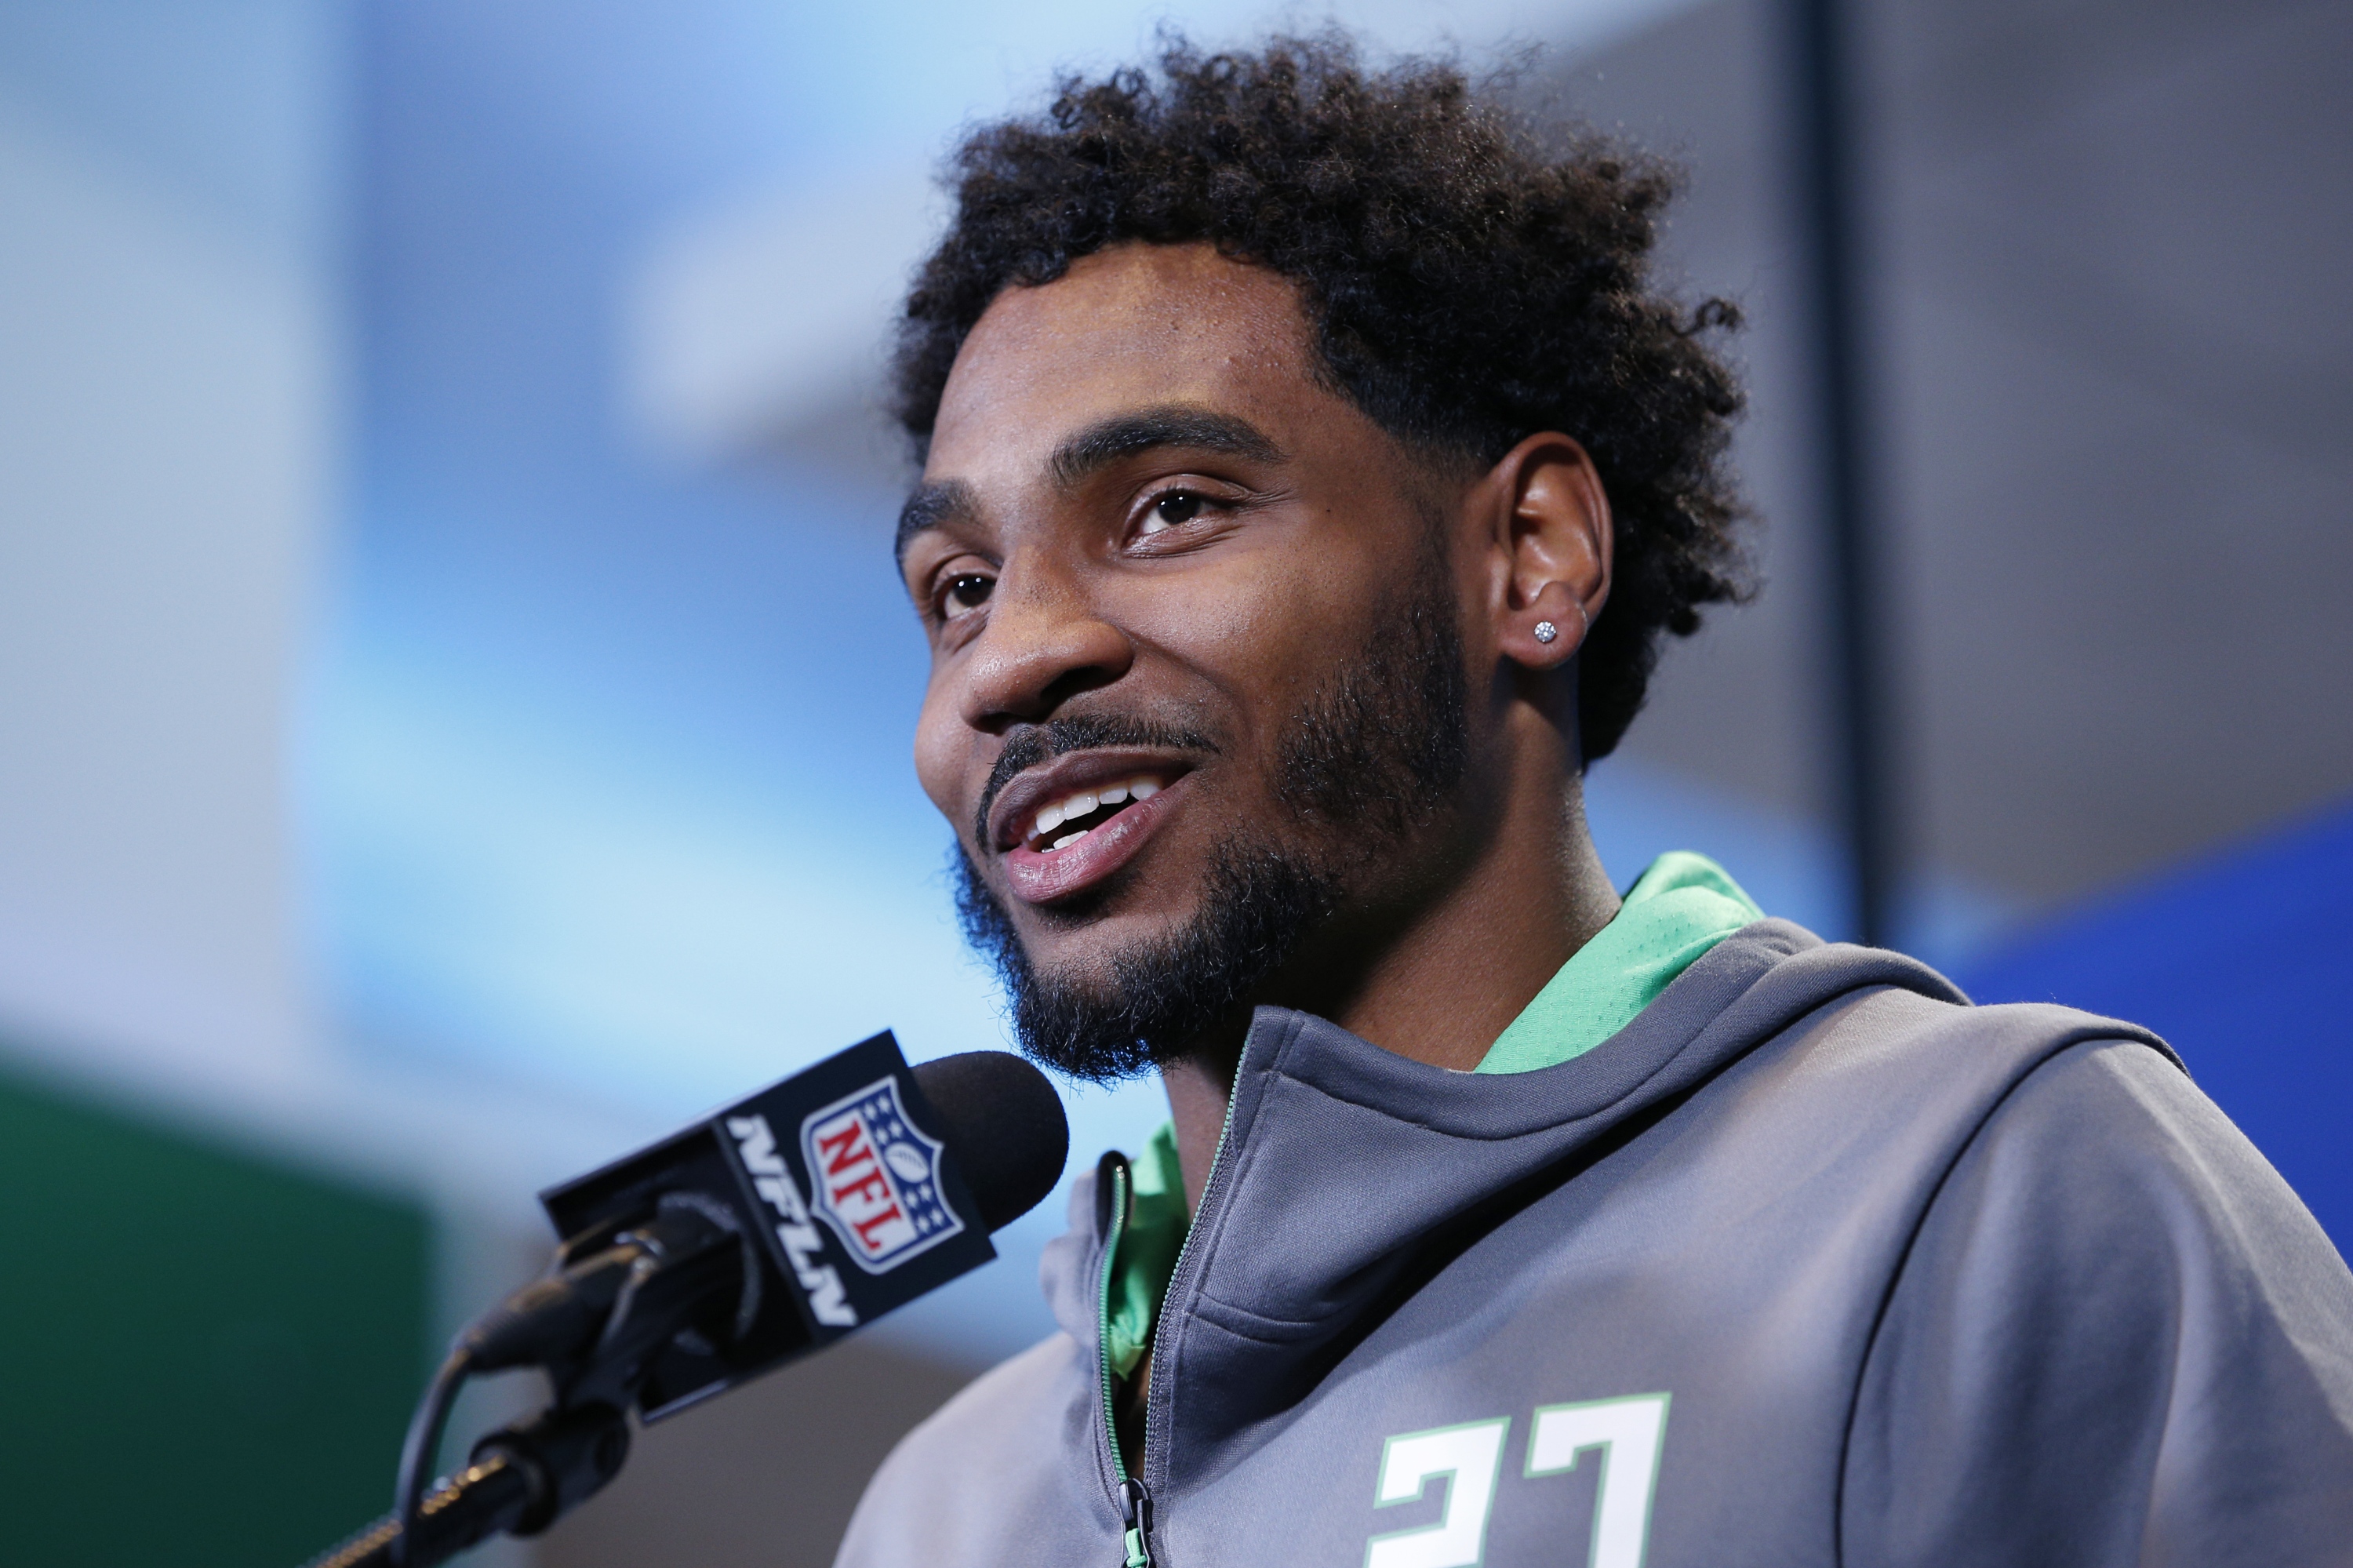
[876, 1178]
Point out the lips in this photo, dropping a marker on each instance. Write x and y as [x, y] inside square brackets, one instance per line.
[1067, 825]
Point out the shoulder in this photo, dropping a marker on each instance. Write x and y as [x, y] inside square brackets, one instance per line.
[979, 1463]
[1836, 1011]
[2115, 1323]
[1918, 1059]
[2045, 1119]
[2106, 1154]
[1879, 1061]
[1925, 1024]
[1013, 1400]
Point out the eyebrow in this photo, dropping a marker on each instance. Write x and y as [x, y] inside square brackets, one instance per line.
[1093, 450]
[1172, 425]
[930, 507]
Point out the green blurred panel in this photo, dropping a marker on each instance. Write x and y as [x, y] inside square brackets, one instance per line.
[210, 1357]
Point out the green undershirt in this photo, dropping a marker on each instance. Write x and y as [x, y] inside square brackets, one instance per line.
[1678, 909]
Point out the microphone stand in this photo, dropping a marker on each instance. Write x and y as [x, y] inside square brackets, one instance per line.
[678, 1280]
[623, 1293]
[520, 1479]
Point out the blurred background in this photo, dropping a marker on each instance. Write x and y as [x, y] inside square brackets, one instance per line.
[454, 699]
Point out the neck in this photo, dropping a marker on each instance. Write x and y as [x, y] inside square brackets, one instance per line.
[1444, 982]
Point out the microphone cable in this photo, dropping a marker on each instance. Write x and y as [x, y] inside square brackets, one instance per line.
[424, 1441]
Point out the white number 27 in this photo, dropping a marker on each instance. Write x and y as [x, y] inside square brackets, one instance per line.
[1627, 1431]
[1469, 1457]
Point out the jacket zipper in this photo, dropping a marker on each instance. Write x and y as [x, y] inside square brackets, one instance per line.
[1135, 1501]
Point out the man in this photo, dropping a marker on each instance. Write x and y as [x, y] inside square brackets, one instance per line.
[1309, 473]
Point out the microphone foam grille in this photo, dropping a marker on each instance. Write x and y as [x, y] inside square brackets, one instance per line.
[1004, 1122]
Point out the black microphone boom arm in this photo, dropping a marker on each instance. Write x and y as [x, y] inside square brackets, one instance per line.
[764, 1231]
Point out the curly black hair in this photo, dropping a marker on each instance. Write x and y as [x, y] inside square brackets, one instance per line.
[1471, 277]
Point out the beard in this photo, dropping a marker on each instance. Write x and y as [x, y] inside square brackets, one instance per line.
[1364, 766]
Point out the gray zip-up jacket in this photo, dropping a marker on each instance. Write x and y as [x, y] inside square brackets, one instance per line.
[1811, 1263]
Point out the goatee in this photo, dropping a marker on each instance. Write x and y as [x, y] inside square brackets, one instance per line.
[1362, 765]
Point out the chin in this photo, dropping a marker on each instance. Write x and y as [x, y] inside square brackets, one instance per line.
[1076, 947]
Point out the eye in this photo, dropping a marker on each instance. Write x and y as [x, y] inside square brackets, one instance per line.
[963, 593]
[1170, 511]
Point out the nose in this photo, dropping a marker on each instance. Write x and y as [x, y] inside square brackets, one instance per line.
[1043, 644]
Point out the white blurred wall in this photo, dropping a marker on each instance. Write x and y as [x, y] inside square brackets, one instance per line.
[168, 425]
[173, 369]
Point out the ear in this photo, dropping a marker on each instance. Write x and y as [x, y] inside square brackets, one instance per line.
[1552, 542]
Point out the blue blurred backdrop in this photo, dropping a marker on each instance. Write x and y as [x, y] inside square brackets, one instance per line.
[455, 701]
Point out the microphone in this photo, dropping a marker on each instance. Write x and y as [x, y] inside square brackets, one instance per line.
[764, 1231]
[792, 1216]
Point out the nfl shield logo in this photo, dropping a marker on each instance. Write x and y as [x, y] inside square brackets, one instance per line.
[876, 1178]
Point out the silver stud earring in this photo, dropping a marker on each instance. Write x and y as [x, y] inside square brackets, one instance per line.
[1547, 632]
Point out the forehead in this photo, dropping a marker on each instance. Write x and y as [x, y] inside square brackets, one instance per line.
[1133, 326]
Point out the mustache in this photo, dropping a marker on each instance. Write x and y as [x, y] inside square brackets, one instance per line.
[1027, 745]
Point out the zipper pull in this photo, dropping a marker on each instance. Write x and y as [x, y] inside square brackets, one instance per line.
[1135, 1513]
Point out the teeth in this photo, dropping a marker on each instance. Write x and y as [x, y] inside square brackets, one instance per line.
[1067, 840]
[1087, 801]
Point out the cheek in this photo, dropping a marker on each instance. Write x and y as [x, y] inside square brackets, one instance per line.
[1266, 632]
[940, 748]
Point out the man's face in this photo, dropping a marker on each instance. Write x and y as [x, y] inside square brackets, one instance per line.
[1198, 693]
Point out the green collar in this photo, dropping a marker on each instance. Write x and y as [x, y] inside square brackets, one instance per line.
[1678, 909]
[1156, 1222]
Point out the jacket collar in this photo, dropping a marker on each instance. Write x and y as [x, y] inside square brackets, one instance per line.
[1349, 1174]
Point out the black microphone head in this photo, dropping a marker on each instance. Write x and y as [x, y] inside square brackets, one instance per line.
[1005, 1126]
[835, 1172]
